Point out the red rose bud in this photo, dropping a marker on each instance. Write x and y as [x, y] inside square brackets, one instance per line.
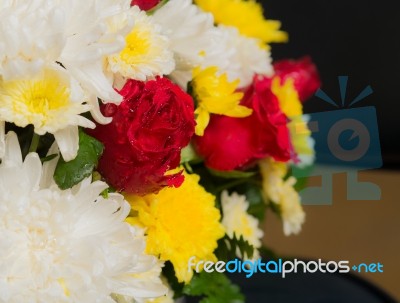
[303, 71]
[145, 5]
[236, 143]
[144, 140]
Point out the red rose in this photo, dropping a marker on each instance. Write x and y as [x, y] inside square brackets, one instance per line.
[235, 143]
[145, 5]
[304, 73]
[144, 140]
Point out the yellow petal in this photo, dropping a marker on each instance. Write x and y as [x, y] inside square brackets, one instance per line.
[239, 111]
[202, 120]
[288, 97]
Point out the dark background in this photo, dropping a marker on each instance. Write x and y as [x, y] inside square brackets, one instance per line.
[359, 39]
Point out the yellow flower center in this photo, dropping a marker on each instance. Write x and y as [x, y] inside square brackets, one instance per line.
[38, 96]
[137, 45]
[44, 95]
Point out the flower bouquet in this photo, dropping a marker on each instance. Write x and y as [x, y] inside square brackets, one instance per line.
[138, 139]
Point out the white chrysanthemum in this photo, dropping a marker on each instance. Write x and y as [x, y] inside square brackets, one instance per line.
[91, 36]
[282, 193]
[31, 35]
[51, 101]
[249, 59]
[195, 41]
[146, 53]
[77, 34]
[66, 246]
[237, 221]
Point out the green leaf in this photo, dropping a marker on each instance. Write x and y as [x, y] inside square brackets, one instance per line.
[304, 171]
[276, 209]
[48, 158]
[105, 193]
[188, 154]
[228, 248]
[214, 288]
[233, 174]
[68, 174]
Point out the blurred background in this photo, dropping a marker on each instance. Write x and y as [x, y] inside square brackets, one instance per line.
[361, 40]
[358, 38]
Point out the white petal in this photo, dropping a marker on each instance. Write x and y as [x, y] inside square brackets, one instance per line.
[96, 113]
[49, 167]
[152, 290]
[33, 168]
[92, 78]
[90, 193]
[68, 142]
[12, 150]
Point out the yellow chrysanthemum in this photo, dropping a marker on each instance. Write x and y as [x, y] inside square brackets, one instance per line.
[291, 106]
[215, 95]
[181, 223]
[282, 193]
[147, 52]
[289, 100]
[247, 16]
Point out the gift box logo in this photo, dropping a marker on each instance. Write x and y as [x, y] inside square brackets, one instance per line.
[346, 140]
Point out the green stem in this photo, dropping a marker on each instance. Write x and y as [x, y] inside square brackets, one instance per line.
[34, 143]
[231, 184]
[236, 183]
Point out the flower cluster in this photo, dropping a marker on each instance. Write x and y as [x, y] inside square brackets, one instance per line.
[136, 135]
